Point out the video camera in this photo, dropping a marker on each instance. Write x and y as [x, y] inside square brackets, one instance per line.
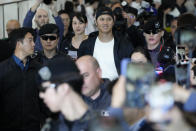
[120, 22]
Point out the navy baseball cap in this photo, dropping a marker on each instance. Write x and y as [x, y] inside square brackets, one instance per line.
[153, 26]
[104, 11]
[49, 29]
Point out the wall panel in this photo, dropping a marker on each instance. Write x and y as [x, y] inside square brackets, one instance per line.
[1, 22]
[10, 12]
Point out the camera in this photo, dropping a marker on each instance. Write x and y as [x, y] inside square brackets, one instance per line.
[120, 23]
[47, 2]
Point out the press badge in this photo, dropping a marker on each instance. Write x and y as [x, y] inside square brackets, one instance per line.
[73, 54]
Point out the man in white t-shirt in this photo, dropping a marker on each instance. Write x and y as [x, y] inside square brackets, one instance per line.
[106, 47]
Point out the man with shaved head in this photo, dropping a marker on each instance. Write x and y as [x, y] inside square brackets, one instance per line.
[12, 25]
[42, 18]
[6, 48]
[93, 89]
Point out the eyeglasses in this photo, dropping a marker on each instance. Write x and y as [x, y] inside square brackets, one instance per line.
[46, 37]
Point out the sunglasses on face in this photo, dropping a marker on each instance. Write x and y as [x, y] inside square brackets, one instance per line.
[46, 37]
[152, 32]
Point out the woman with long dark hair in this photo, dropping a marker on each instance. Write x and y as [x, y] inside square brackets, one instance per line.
[71, 46]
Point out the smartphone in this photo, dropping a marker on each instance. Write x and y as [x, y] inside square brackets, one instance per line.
[181, 68]
[181, 55]
[139, 77]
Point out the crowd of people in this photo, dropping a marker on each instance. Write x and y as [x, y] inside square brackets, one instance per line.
[120, 65]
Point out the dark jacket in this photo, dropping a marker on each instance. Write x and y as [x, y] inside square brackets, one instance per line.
[122, 48]
[42, 59]
[19, 97]
[61, 124]
[6, 49]
[135, 36]
[67, 47]
[102, 102]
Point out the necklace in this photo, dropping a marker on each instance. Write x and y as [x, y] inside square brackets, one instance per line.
[76, 43]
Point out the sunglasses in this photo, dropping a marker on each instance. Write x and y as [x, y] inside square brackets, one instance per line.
[46, 37]
[152, 31]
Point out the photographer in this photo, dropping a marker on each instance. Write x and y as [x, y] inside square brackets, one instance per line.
[120, 23]
[41, 18]
[167, 12]
[134, 34]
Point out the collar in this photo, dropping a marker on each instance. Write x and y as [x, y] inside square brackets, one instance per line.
[158, 48]
[99, 97]
[20, 63]
[57, 53]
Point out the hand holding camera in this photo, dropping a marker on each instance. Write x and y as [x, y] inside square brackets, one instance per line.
[36, 5]
[53, 8]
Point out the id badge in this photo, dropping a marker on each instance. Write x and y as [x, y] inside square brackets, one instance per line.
[73, 54]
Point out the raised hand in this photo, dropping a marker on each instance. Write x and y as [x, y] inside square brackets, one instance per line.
[119, 93]
[53, 8]
[36, 5]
